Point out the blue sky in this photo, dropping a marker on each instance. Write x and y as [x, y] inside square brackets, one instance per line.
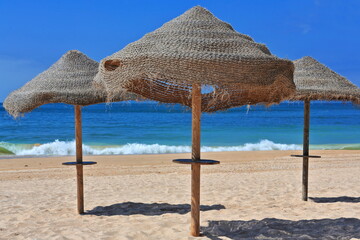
[34, 34]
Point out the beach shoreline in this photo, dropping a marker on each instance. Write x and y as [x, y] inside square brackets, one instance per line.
[34, 161]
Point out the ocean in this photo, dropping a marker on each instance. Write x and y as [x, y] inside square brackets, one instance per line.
[151, 128]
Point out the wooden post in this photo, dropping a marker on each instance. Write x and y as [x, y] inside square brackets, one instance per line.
[79, 155]
[305, 176]
[195, 167]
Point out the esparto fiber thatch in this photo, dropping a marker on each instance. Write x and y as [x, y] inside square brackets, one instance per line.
[69, 80]
[315, 81]
[197, 47]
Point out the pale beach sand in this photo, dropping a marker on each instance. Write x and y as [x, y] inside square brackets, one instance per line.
[250, 195]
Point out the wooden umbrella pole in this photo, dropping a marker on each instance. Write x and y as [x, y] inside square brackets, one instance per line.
[79, 156]
[195, 167]
[305, 176]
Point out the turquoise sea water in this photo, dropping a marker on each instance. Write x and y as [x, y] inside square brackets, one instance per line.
[147, 127]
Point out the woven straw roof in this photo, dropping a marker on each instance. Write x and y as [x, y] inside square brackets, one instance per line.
[69, 80]
[315, 81]
[197, 47]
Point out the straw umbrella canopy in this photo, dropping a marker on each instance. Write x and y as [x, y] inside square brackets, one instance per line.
[198, 48]
[315, 81]
[69, 80]
[192, 52]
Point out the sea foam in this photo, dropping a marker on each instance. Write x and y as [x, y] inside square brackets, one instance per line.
[68, 148]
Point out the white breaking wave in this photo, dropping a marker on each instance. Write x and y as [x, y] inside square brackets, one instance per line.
[68, 148]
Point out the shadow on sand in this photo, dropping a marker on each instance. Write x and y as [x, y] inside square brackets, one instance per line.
[148, 209]
[335, 199]
[271, 228]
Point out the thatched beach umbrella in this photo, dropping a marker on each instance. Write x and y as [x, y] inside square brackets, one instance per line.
[314, 81]
[192, 52]
[69, 80]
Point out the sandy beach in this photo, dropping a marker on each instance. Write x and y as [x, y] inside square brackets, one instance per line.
[250, 195]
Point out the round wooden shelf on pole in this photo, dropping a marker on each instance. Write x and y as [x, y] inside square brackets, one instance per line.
[78, 163]
[201, 161]
[309, 156]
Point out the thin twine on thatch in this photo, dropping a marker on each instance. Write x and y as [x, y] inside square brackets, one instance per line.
[69, 80]
[198, 48]
[315, 81]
